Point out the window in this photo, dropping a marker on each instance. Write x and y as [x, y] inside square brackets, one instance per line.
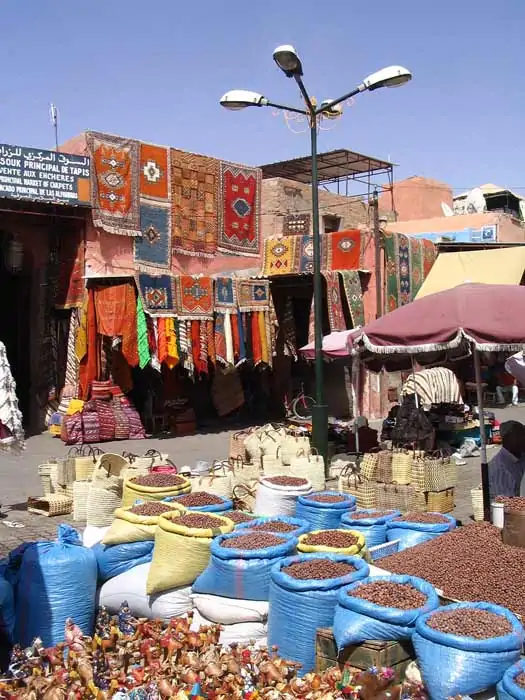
[331, 223]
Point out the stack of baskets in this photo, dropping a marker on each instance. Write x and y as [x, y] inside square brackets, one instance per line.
[402, 479]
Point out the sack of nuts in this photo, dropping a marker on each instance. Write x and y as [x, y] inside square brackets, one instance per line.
[303, 596]
[324, 509]
[336, 541]
[241, 562]
[414, 528]
[370, 523]
[137, 523]
[478, 640]
[381, 608]
[512, 685]
[182, 548]
[278, 524]
[153, 487]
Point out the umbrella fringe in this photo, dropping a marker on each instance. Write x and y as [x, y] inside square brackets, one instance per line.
[438, 347]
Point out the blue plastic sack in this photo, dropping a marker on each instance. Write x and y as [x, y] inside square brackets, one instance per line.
[410, 534]
[115, 559]
[57, 580]
[324, 516]
[7, 609]
[301, 525]
[357, 620]
[241, 573]
[299, 608]
[507, 689]
[227, 504]
[452, 665]
[373, 528]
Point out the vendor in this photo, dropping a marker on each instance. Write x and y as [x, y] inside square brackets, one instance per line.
[507, 468]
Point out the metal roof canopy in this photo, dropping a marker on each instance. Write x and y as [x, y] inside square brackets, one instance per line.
[333, 166]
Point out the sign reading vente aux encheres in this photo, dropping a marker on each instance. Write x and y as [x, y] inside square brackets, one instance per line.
[44, 176]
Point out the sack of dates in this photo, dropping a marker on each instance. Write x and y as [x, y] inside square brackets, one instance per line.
[203, 502]
[381, 608]
[334, 541]
[278, 524]
[240, 564]
[414, 528]
[303, 596]
[370, 522]
[466, 647]
[512, 685]
[324, 509]
[182, 548]
[277, 495]
[153, 487]
[138, 522]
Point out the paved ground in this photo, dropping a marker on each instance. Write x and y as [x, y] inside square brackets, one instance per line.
[19, 477]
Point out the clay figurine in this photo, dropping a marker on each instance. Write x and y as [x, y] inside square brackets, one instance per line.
[126, 623]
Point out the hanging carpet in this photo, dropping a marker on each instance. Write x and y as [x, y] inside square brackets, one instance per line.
[154, 173]
[341, 250]
[157, 293]
[296, 224]
[152, 249]
[194, 297]
[305, 254]
[253, 295]
[225, 295]
[354, 296]
[408, 261]
[239, 210]
[71, 286]
[279, 256]
[333, 299]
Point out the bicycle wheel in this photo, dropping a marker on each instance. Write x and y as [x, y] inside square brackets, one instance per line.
[302, 407]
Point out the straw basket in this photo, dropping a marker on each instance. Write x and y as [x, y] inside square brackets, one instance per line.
[309, 466]
[451, 472]
[52, 504]
[477, 503]
[110, 464]
[440, 501]
[369, 465]
[244, 497]
[44, 472]
[272, 464]
[238, 444]
[83, 459]
[218, 481]
[80, 497]
[402, 466]
[353, 483]
[384, 467]
[293, 446]
[104, 497]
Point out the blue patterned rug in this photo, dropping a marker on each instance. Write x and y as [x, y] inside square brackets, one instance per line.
[152, 250]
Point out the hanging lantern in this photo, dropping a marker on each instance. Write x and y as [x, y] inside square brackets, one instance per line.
[14, 258]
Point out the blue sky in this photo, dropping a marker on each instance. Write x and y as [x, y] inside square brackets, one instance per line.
[155, 70]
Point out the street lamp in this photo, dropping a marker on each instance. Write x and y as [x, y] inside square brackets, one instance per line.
[288, 60]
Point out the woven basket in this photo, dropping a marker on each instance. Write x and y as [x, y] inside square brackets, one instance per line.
[84, 459]
[80, 497]
[384, 467]
[52, 504]
[402, 466]
[293, 446]
[430, 473]
[477, 503]
[110, 464]
[311, 467]
[440, 501]
[218, 481]
[44, 472]
[369, 465]
[244, 497]
[272, 464]
[238, 444]
[388, 497]
[419, 501]
[451, 472]
[363, 491]
[104, 497]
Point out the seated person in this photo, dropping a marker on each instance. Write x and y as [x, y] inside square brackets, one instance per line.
[507, 468]
[367, 437]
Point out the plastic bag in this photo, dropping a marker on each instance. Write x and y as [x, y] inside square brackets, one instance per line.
[358, 548]
[181, 553]
[227, 504]
[301, 526]
[241, 573]
[93, 535]
[131, 586]
[452, 665]
[115, 559]
[7, 609]
[57, 580]
[506, 688]
[322, 515]
[129, 527]
[298, 607]
[357, 620]
[272, 499]
[230, 611]
[373, 528]
[409, 534]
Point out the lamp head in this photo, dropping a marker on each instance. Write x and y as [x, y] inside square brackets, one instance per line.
[239, 99]
[288, 61]
[392, 76]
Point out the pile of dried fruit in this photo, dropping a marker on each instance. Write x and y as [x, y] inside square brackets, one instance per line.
[511, 503]
[427, 518]
[237, 516]
[286, 481]
[199, 498]
[158, 480]
[388, 594]
[198, 520]
[318, 569]
[275, 526]
[520, 679]
[150, 508]
[479, 624]
[331, 538]
[327, 498]
[360, 515]
[470, 563]
[254, 540]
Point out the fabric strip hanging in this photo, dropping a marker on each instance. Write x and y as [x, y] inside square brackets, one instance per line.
[89, 364]
[333, 298]
[142, 336]
[162, 343]
[230, 357]
[203, 342]
[269, 345]
[262, 336]
[289, 334]
[311, 322]
[81, 340]
[235, 337]
[256, 339]
[172, 355]
[220, 339]
[210, 333]
[354, 296]
[72, 364]
[189, 364]
[238, 318]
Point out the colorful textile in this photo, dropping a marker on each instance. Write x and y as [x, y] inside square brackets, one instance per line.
[235, 337]
[157, 292]
[228, 334]
[429, 256]
[194, 297]
[220, 338]
[289, 331]
[203, 339]
[142, 335]
[256, 338]
[296, 224]
[194, 188]
[392, 293]
[162, 341]
[114, 183]
[333, 298]
[210, 341]
[130, 347]
[154, 172]
[71, 378]
[354, 296]
[172, 351]
[263, 336]
[253, 295]
[405, 281]
[152, 250]
[195, 344]
[111, 307]
[408, 261]
[71, 286]
[305, 254]
[12, 439]
[225, 297]
[279, 256]
[89, 363]
[242, 342]
[239, 210]
[341, 250]
[311, 322]
[81, 339]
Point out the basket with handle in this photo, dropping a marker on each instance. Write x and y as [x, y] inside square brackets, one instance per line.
[159, 458]
[309, 466]
[435, 472]
[451, 472]
[44, 472]
[80, 498]
[110, 464]
[440, 501]
[245, 472]
[369, 464]
[271, 439]
[104, 497]
[350, 481]
[84, 458]
[384, 467]
[293, 445]
[142, 464]
[477, 503]
[219, 480]
[238, 444]
[402, 466]
[388, 497]
[244, 497]
[272, 464]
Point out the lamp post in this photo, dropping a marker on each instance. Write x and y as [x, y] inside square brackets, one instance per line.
[289, 62]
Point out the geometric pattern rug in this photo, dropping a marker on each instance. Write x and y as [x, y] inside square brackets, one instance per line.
[239, 210]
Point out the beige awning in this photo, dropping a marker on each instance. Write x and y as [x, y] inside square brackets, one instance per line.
[500, 266]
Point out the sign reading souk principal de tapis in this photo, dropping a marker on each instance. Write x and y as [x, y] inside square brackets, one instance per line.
[44, 176]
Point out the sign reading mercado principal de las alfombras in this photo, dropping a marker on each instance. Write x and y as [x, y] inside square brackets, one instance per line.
[44, 176]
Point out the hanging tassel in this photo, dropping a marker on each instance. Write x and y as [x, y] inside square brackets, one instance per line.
[230, 358]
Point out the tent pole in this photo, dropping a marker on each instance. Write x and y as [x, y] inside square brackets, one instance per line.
[482, 435]
[357, 392]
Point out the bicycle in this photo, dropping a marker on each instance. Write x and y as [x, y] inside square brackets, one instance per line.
[300, 407]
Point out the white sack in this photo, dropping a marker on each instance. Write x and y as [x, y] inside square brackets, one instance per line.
[92, 535]
[242, 633]
[230, 611]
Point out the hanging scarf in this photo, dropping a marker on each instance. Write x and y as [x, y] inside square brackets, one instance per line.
[256, 339]
[130, 348]
[142, 335]
[210, 341]
[220, 339]
[153, 336]
[230, 357]
[111, 307]
[235, 338]
[242, 344]
[203, 338]
[273, 324]
[268, 329]
[71, 378]
[263, 337]
[81, 341]
[172, 353]
[195, 344]
[89, 364]
[162, 341]
[179, 326]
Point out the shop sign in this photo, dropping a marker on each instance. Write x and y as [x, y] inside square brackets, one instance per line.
[485, 234]
[44, 176]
